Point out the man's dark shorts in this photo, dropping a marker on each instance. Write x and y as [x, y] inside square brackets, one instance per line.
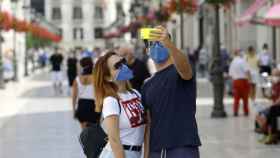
[181, 152]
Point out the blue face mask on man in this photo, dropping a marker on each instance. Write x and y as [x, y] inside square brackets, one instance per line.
[124, 73]
[159, 53]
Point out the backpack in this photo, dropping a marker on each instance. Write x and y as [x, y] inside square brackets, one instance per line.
[93, 139]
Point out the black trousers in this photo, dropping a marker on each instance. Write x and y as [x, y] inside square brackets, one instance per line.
[272, 116]
[266, 69]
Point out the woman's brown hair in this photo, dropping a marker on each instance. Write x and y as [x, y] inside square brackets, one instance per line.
[103, 87]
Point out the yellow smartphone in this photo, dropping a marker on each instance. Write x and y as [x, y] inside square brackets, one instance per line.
[145, 33]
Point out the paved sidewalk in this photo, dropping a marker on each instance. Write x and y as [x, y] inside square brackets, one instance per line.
[10, 101]
[44, 127]
[17, 94]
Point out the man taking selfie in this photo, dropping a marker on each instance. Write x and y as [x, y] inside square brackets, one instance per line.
[169, 97]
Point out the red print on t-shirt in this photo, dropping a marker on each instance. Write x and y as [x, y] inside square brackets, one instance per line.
[134, 111]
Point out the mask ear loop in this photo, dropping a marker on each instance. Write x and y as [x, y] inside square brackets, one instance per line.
[119, 70]
[117, 74]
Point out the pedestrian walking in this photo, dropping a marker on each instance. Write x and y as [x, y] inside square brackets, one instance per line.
[203, 60]
[56, 61]
[239, 71]
[83, 95]
[226, 58]
[87, 53]
[8, 71]
[265, 60]
[122, 111]
[252, 60]
[72, 68]
[169, 97]
[139, 69]
[193, 57]
[43, 58]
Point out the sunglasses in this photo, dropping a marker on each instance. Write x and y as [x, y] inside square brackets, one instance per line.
[118, 64]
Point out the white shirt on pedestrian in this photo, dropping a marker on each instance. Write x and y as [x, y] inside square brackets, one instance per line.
[131, 117]
[239, 68]
[265, 59]
[84, 91]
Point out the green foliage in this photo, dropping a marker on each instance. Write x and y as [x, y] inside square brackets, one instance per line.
[35, 42]
[218, 1]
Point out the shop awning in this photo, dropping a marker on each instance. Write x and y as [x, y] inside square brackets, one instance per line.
[247, 16]
[272, 17]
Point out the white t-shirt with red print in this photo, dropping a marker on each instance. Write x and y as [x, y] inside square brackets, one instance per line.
[131, 116]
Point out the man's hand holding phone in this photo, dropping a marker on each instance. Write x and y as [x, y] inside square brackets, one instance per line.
[158, 33]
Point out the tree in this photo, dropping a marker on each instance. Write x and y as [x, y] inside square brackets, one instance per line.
[36, 42]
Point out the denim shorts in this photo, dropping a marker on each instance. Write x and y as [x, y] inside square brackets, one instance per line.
[129, 154]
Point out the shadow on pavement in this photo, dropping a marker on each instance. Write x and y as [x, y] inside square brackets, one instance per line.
[44, 92]
[42, 76]
[44, 135]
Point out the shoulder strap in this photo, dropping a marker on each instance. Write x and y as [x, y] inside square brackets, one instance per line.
[120, 107]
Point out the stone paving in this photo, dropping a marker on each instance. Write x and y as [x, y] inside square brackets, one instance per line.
[44, 128]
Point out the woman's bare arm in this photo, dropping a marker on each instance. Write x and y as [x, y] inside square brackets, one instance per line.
[74, 95]
[112, 126]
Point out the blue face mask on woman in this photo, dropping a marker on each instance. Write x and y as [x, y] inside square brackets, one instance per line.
[159, 53]
[124, 73]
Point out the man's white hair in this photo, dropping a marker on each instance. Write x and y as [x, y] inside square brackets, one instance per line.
[128, 45]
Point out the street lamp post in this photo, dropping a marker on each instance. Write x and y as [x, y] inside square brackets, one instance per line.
[201, 26]
[2, 83]
[274, 39]
[182, 27]
[217, 71]
[26, 8]
[15, 66]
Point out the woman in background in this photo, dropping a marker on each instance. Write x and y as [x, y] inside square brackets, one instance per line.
[83, 97]
[252, 60]
[72, 69]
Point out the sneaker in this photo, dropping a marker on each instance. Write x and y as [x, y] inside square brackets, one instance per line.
[263, 139]
[271, 139]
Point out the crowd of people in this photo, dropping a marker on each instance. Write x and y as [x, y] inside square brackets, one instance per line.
[246, 72]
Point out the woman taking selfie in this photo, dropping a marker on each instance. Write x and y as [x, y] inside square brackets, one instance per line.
[122, 111]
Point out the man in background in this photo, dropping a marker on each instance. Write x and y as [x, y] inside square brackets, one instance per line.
[140, 70]
[56, 61]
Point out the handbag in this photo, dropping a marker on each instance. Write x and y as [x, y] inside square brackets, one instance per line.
[93, 139]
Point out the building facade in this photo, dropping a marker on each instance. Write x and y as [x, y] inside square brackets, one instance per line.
[82, 23]
[232, 36]
[11, 40]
